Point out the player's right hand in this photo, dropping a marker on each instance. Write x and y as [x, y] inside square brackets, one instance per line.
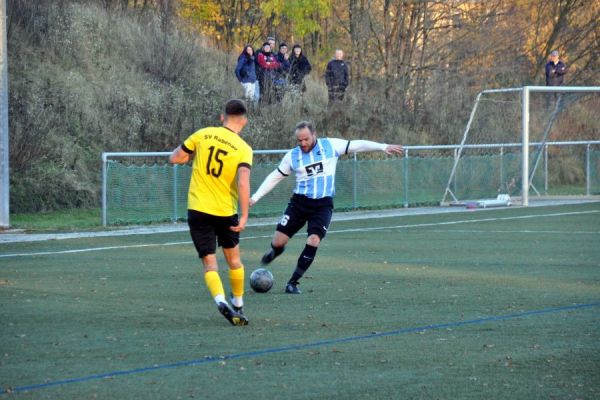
[240, 226]
[394, 148]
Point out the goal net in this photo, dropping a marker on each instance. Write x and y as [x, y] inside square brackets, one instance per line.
[509, 147]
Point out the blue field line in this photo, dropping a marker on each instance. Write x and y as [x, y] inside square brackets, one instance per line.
[257, 353]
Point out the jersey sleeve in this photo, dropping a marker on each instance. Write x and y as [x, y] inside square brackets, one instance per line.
[357, 146]
[190, 144]
[279, 174]
[246, 159]
[285, 166]
[341, 146]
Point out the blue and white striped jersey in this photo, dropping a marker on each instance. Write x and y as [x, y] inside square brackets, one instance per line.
[315, 171]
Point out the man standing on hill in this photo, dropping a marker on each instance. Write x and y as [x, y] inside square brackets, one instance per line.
[220, 179]
[314, 162]
[555, 76]
[555, 70]
[337, 77]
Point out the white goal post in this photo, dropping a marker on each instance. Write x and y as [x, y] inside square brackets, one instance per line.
[526, 178]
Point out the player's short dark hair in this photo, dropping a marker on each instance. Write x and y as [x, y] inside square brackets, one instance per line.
[305, 124]
[235, 107]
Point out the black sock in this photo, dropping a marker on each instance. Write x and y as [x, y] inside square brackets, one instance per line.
[306, 258]
[277, 250]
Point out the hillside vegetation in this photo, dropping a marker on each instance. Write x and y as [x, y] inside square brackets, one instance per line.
[85, 78]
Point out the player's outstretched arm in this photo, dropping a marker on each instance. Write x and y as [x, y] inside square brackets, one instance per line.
[268, 184]
[358, 146]
[179, 156]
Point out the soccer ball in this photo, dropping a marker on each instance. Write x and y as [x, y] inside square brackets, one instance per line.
[261, 280]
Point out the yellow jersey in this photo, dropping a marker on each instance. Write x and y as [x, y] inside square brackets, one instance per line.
[219, 152]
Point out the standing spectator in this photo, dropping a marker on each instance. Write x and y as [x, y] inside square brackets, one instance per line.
[281, 79]
[337, 77]
[246, 74]
[271, 41]
[299, 68]
[268, 67]
[555, 70]
[220, 179]
[284, 59]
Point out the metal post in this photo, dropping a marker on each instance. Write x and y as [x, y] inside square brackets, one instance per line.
[104, 186]
[525, 149]
[174, 192]
[587, 170]
[355, 182]
[502, 167]
[546, 169]
[4, 167]
[406, 178]
[462, 143]
[454, 182]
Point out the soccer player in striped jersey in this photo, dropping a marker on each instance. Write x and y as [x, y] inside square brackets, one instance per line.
[220, 179]
[313, 162]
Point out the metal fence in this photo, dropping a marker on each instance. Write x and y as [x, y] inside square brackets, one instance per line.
[157, 191]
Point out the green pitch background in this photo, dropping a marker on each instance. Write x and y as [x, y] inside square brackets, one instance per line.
[415, 307]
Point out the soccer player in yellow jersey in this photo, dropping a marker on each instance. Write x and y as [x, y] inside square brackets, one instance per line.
[220, 180]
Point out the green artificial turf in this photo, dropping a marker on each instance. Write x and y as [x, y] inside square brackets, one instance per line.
[420, 307]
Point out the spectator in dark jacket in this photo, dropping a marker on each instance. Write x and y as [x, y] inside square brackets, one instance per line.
[268, 68]
[555, 70]
[337, 77]
[281, 78]
[284, 58]
[299, 68]
[245, 71]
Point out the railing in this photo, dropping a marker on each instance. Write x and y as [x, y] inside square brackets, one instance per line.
[409, 152]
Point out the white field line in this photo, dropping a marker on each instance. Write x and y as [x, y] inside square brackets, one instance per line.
[515, 231]
[466, 221]
[364, 229]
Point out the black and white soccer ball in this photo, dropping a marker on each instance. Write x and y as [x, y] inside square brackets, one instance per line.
[261, 280]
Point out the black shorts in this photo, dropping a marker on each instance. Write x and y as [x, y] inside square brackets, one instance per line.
[205, 229]
[300, 210]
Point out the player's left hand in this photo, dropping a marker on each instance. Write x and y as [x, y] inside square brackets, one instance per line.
[394, 148]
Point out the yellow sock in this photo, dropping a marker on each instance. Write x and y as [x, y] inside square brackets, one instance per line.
[236, 278]
[214, 285]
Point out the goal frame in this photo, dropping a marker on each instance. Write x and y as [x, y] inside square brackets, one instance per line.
[525, 95]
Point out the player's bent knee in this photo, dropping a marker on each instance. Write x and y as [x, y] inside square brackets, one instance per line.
[313, 240]
[280, 240]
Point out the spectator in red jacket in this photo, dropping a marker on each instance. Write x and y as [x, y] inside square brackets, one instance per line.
[267, 72]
